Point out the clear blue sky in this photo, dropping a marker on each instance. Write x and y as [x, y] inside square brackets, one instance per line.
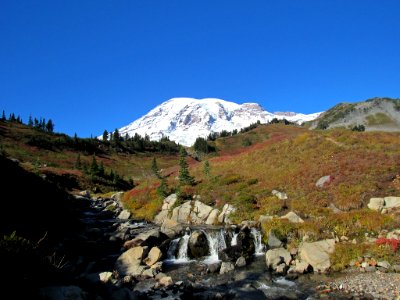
[95, 65]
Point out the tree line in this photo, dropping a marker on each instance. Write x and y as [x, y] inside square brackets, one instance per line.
[36, 123]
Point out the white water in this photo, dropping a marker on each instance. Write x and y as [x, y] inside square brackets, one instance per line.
[234, 239]
[216, 243]
[284, 281]
[259, 246]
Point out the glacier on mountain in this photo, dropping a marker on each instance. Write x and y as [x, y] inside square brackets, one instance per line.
[185, 119]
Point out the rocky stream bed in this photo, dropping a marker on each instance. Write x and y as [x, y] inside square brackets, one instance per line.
[116, 257]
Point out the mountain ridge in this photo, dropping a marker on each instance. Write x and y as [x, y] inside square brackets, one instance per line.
[185, 119]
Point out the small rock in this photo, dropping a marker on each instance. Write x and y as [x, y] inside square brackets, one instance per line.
[124, 215]
[226, 267]
[105, 276]
[166, 281]
[241, 262]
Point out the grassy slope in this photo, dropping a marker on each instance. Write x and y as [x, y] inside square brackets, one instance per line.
[58, 161]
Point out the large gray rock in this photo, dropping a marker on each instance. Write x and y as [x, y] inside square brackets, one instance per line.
[226, 267]
[169, 202]
[292, 217]
[317, 254]
[198, 244]
[273, 241]
[181, 213]
[275, 257]
[128, 263]
[61, 293]
[149, 238]
[171, 228]
[240, 262]
[224, 215]
[392, 202]
[212, 217]
[161, 217]
[199, 213]
[376, 204]
[153, 256]
[124, 215]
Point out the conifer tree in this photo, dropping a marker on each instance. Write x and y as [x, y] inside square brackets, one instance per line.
[116, 135]
[30, 121]
[105, 135]
[94, 167]
[3, 116]
[184, 176]
[162, 189]
[154, 168]
[50, 126]
[101, 169]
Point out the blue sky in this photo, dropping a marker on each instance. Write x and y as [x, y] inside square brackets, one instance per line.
[95, 65]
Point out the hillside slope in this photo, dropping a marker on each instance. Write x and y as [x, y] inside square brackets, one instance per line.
[376, 114]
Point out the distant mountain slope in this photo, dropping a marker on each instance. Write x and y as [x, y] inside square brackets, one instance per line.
[185, 119]
[375, 114]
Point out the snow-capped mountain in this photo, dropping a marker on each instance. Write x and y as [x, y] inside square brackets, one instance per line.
[185, 119]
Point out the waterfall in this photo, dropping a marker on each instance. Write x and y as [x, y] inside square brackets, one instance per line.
[178, 248]
[216, 243]
[234, 239]
[259, 246]
[183, 249]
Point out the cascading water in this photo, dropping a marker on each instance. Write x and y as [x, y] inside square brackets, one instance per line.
[178, 248]
[216, 243]
[234, 239]
[259, 246]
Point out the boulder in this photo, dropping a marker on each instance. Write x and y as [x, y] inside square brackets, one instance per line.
[212, 217]
[200, 212]
[198, 244]
[171, 228]
[317, 254]
[105, 276]
[292, 217]
[213, 268]
[273, 241]
[384, 264]
[392, 202]
[71, 292]
[181, 213]
[85, 193]
[324, 181]
[279, 195]
[128, 263]
[153, 256]
[169, 202]
[240, 262]
[124, 215]
[376, 204]
[150, 273]
[277, 256]
[226, 267]
[299, 267]
[149, 238]
[166, 281]
[161, 217]
[224, 215]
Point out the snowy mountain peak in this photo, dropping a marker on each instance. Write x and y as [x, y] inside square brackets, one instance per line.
[185, 119]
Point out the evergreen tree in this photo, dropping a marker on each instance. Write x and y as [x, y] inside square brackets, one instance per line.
[162, 189]
[94, 167]
[116, 135]
[50, 126]
[154, 168]
[105, 135]
[12, 118]
[207, 168]
[36, 123]
[3, 116]
[78, 163]
[19, 120]
[30, 121]
[184, 176]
